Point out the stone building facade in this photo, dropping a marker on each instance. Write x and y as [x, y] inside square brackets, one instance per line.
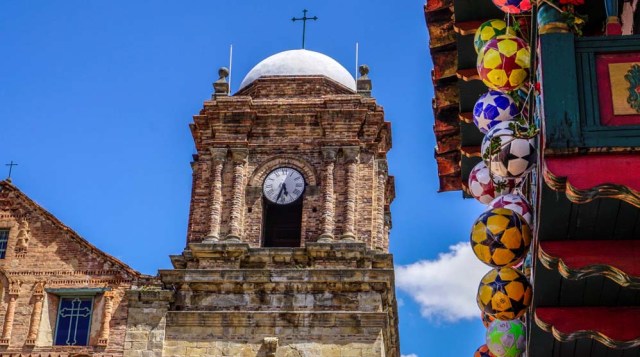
[235, 292]
[286, 248]
[59, 295]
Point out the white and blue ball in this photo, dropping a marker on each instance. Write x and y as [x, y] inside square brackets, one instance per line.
[492, 108]
[515, 157]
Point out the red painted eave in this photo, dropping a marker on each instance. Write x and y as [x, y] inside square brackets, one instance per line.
[618, 260]
[586, 177]
[615, 327]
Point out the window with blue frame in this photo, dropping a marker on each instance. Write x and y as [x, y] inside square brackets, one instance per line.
[74, 321]
[4, 237]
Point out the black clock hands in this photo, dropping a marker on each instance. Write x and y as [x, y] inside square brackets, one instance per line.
[282, 188]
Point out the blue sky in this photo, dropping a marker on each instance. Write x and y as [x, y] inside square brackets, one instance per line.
[96, 98]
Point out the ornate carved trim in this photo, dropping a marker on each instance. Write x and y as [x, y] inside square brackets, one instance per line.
[611, 272]
[351, 154]
[107, 313]
[23, 238]
[239, 155]
[576, 195]
[219, 154]
[586, 334]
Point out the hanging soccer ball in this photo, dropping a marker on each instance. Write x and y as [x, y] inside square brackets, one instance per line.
[506, 338]
[485, 189]
[515, 156]
[515, 202]
[513, 6]
[486, 319]
[483, 351]
[504, 293]
[503, 63]
[500, 237]
[490, 30]
[492, 108]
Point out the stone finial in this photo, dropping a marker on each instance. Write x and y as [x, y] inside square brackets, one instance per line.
[363, 84]
[221, 86]
[271, 345]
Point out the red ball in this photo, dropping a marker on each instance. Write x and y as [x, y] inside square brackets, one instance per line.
[513, 6]
[483, 351]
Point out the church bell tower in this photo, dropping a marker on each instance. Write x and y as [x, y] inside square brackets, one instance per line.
[287, 242]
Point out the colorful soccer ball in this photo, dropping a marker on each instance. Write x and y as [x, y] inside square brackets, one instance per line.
[492, 108]
[486, 319]
[483, 351]
[515, 202]
[490, 30]
[500, 237]
[485, 189]
[504, 293]
[515, 156]
[513, 6]
[506, 338]
[503, 63]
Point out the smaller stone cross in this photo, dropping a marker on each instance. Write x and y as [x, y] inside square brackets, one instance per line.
[11, 165]
[304, 19]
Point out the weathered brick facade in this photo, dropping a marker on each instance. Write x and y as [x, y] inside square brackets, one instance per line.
[44, 261]
[228, 295]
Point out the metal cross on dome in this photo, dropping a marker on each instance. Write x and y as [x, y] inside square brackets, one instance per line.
[304, 19]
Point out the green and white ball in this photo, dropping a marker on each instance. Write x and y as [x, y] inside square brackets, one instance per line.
[507, 338]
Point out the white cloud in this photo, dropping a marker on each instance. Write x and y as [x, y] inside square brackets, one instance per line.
[411, 355]
[445, 288]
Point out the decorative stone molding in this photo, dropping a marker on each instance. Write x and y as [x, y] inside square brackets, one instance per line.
[328, 214]
[36, 313]
[271, 345]
[351, 157]
[239, 157]
[381, 182]
[14, 291]
[107, 313]
[260, 172]
[218, 157]
[23, 238]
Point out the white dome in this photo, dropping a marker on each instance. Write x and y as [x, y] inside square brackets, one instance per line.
[300, 63]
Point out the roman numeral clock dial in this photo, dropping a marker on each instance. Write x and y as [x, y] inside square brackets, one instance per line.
[283, 185]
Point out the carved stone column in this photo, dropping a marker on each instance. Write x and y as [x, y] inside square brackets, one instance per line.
[239, 157]
[387, 228]
[351, 156]
[14, 291]
[329, 204]
[36, 314]
[218, 157]
[380, 201]
[107, 313]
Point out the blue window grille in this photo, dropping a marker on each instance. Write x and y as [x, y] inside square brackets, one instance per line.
[4, 237]
[74, 321]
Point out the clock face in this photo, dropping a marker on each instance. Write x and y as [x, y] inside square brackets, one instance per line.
[283, 185]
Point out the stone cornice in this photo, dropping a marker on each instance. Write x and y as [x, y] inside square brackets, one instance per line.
[274, 320]
[313, 255]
